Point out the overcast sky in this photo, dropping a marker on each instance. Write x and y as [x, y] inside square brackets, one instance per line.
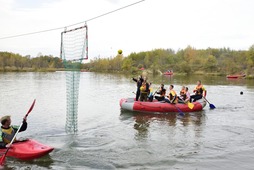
[148, 25]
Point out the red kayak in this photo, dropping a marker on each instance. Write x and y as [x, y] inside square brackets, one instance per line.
[155, 106]
[27, 150]
[236, 76]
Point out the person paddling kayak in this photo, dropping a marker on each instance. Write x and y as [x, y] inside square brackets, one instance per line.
[8, 131]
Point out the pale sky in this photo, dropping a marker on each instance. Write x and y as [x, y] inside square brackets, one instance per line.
[148, 25]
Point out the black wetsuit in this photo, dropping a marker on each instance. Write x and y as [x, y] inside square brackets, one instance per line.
[139, 84]
[162, 93]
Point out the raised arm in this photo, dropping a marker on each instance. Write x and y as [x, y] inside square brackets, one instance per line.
[23, 127]
[134, 79]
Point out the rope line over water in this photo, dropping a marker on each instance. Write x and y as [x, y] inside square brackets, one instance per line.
[82, 22]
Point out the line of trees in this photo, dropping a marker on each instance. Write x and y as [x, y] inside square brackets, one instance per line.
[189, 60]
[16, 62]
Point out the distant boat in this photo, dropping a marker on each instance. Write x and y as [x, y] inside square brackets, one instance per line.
[236, 76]
[170, 72]
[84, 70]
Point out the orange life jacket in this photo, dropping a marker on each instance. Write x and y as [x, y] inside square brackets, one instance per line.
[183, 94]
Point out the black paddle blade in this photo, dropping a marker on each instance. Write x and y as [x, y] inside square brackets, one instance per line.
[212, 106]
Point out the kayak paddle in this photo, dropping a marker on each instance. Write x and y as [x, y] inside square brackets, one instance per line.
[210, 105]
[2, 159]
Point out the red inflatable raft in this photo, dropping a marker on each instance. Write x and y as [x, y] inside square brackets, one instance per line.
[27, 150]
[155, 106]
[169, 73]
[236, 76]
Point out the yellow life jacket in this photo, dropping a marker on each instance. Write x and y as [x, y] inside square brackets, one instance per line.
[173, 95]
[143, 88]
[8, 134]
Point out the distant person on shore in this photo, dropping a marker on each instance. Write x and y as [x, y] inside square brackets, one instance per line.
[182, 96]
[144, 90]
[172, 97]
[199, 91]
[139, 84]
[162, 93]
[8, 131]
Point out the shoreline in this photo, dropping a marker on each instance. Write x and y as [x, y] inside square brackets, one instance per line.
[6, 70]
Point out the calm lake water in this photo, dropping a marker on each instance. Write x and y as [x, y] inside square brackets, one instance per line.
[109, 138]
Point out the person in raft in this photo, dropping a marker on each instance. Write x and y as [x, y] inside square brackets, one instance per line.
[162, 93]
[187, 99]
[150, 93]
[144, 90]
[182, 96]
[172, 97]
[139, 84]
[199, 91]
[8, 131]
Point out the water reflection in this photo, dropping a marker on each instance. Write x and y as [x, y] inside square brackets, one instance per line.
[143, 121]
[196, 118]
[141, 125]
[45, 162]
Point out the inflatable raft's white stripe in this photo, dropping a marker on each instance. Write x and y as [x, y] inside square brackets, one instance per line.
[127, 105]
